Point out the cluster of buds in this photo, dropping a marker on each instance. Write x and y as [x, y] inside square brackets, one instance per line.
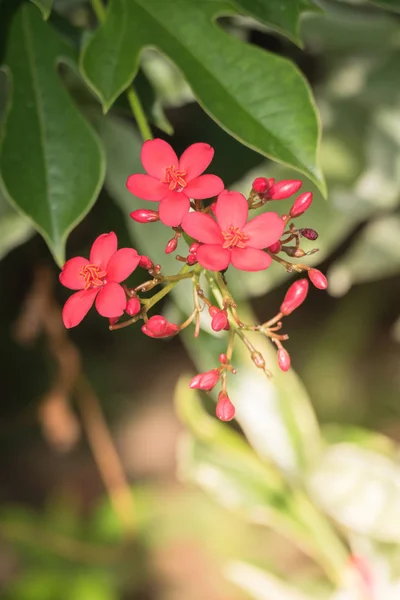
[221, 237]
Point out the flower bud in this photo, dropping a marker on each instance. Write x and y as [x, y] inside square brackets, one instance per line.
[301, 204]
[205, 381]
[318, 279]
[145, 263]
[113, 320]
[260, 185]
[158, 327]
[309, 234]
[295, 296]
[191, 259]
[223, 359]
[258, 359]
[194, 247]
[171, 246]
[220, 320]
[143, 215]
[225, 410]
[284, 189]
[283, 359]
[213, 310]
[275, 248]
[133, 306]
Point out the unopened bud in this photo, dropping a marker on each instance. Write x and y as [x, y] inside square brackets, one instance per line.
[113, 320]
[275, 248]
[223, 359]
[293, 251]
[220, 320]
[309, 234]
[301, 204]
[158, 327]
[258, 360]
[295, 296]
[283, 359]
[133, 306]
[318, 279]
[205, 381]
[191, 259]
[143, 215]
[260, 185]
[171, 246]
[225, 410]
[194, 247]
[145, 263]
[213, 310]
[284, 189]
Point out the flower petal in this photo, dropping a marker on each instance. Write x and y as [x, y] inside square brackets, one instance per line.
[264, 230]
[156, 156]
[70, 275]
[202, 227]
[196, 159]
[102, 249]
[122, 264]
[146, 187]
[231, 209]
[250, 259]
[213, 257]
[204, 186]
[111, 300]
[77, 306]
[173, 208]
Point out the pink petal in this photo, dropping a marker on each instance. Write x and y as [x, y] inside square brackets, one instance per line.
[264, 230]
[250, 259]
[173, 208]
[202, 227]
[146, 187]
[111, 300]
[122, 264]
[70, 275]
[213, 257]
[231, 209]
[204, 186]
[156, 156]
[102, 249]
[196, 159]
[77, 306]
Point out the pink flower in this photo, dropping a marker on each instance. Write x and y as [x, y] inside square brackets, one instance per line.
[172, 181]
[230, 239]
[98, 279]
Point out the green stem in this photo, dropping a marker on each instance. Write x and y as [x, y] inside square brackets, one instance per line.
[133, 98]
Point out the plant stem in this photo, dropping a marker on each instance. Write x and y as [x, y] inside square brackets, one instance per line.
[99, 10]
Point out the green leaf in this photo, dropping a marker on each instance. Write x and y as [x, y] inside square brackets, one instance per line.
[51, 162]
[45, 6]
[393, 5]
[14, 228]
[258, 97]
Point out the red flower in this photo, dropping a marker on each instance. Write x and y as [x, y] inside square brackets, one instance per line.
[171, 181]
[231, 239]
[98, 279]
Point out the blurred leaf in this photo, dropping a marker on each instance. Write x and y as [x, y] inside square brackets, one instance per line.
[256, 96]
[360, 489]
[45, 7]
[168, 82]
[51, 166]
[393, 5]
[365, 438]
[260, 584]
[14, 228]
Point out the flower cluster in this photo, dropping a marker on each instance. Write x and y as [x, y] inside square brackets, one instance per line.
[222, 235]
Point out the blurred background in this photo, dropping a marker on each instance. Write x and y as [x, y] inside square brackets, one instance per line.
[102, 494]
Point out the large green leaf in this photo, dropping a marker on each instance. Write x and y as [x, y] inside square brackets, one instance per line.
[258, 97]
[51, 162]
[45, 7]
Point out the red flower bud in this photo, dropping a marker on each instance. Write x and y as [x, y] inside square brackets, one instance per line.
[220, 320]
[225, 410]
[295, 296]
[275, 248]
[133, 306]
[260, 185]
[318, 279]
[194, 247]
[213, 310]
[171, 246]
[191, 259]
[283, 359]
[205, 381]
[113, 320]
[158, 327]
[145, 263]
[143, 215]
[284, 189]
[223, 359]
[301, 204]
[309, 234]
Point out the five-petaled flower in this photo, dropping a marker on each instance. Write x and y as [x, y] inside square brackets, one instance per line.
[98, 279]
[231, 239]
[172, 181]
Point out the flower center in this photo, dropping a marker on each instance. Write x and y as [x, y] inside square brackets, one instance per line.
[175, 179]
[234, 238]
[93, 276]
